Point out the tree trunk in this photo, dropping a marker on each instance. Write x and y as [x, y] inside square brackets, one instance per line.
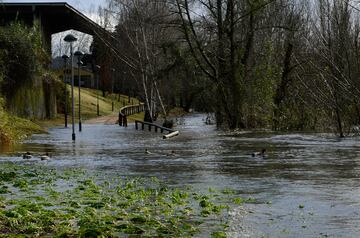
[281, 89]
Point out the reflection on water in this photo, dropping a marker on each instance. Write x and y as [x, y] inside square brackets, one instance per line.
[307, 186]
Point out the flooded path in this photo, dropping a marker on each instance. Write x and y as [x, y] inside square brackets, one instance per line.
[307, 186]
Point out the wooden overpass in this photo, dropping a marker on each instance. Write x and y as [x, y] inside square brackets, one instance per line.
[53, 17]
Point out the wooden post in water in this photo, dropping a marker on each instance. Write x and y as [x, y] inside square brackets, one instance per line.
[120, 119]
[136, 125]
[142, 126]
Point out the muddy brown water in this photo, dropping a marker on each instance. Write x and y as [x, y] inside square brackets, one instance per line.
[308, 185]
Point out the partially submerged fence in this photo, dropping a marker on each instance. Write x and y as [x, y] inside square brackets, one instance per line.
[171, 132]
[133, 109]
[129, 110]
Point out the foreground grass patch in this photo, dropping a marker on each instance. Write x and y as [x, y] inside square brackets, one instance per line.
[39, 201]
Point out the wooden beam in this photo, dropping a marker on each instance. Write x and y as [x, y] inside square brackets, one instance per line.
[170, 135]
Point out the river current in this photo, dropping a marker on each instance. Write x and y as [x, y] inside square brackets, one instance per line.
[308, 185]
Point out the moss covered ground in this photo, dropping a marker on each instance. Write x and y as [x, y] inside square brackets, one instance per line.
[40, 201]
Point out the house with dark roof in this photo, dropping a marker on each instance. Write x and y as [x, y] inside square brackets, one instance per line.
[87, 77]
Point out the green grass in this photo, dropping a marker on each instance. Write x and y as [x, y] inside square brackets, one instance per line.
[39, 201]
[13, 129]
[89, 102]
[138, 117]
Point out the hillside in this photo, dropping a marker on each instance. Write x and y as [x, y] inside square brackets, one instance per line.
[14, 129]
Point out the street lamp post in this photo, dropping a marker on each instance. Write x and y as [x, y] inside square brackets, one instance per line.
[79, 54]
[65, 57]
[112, 89]
[97, 90]
[70, 39]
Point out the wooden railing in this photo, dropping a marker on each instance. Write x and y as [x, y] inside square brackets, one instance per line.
[129, 110]
[133, 109]
[171, 132]
[151, 125]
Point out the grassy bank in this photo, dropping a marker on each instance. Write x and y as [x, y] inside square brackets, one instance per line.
[89, 99]
[40, 201]
[14, 129]
[89, 102]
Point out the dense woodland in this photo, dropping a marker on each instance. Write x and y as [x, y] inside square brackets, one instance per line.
[287, 65]
[280, 64]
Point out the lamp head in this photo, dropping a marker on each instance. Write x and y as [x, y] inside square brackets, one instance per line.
[78, 53]
[70, 38]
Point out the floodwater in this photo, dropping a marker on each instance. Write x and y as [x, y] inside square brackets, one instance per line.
[308, 185]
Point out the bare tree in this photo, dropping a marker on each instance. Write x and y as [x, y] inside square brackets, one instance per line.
[332, 39]
[142, 29]
[222, 40]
